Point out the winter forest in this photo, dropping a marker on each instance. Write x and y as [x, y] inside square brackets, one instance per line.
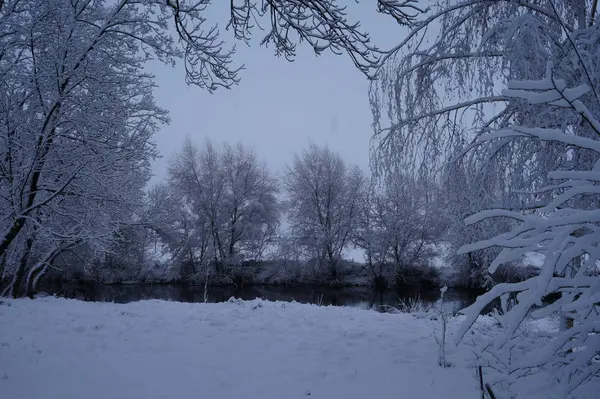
[483, 177]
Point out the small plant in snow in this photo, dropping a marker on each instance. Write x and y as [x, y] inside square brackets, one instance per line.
[440, 338]
[319, 299]
[412, 305]
[235, 300]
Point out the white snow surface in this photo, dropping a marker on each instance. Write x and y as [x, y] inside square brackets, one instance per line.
[60, 348]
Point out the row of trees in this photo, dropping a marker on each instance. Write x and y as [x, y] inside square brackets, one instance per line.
[221, 210]
[222, 215]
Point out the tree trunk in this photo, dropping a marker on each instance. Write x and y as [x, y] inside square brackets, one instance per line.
[33, 185]
[20, 272]
[334, 273]
[32, 278]
[332, 264]
[192, 261]
[2, 269]
[11, 235]
[39, 270]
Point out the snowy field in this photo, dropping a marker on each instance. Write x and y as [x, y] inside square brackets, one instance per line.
[58, 348]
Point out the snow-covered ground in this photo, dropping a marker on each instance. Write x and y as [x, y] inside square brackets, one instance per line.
[59, 348]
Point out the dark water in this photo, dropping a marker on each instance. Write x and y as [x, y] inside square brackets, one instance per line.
[363, 297]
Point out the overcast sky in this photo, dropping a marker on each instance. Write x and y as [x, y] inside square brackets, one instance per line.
[279, 107]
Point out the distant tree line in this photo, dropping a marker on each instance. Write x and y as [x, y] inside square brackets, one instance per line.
[222, 217]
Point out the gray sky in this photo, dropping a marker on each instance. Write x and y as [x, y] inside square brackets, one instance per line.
[279, 107]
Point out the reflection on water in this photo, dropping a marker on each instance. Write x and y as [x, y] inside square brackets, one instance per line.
[363, 297]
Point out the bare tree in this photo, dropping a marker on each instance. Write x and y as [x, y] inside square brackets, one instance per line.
[369, 235]
[232, 198]
[323, 196]
[250, 202]
[196, 175]
[400, 223]
[178, 230]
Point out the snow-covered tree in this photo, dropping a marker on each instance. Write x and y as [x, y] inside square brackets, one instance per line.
[470, 186]
[439, 86]
[323, 197]
[370, 236]
[75, 133]
[232, 200]
[175, 232]
[439, 90]
[565, 230]
[398, 225]
[251, 202]
[531, 149]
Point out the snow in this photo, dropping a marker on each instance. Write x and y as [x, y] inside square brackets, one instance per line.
[63, 348]
[533, 259]
[59, 348]
[545, 325]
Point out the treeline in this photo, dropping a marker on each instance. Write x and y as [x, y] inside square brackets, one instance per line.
[222, 217]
